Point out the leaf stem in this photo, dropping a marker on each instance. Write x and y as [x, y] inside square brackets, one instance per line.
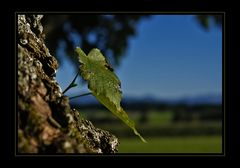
[72, 84]
[85, 94]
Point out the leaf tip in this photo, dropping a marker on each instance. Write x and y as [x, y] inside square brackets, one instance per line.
[79, 51]
[142, 139]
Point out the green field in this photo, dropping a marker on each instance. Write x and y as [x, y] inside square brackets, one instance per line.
[188, 144]
[162, 133]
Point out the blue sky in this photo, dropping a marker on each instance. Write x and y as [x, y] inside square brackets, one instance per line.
[170, 57]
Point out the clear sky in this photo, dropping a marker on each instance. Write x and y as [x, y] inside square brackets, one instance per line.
[170, 57]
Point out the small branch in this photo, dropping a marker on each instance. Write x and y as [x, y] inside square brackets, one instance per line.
[85, 94]
[72, 84]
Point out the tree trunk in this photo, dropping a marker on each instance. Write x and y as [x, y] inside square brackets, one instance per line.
[46, 122]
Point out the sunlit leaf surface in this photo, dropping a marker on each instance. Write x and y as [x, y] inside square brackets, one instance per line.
[104, 84]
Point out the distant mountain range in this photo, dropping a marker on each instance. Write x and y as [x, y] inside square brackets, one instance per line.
[189, 100]
[199, 99]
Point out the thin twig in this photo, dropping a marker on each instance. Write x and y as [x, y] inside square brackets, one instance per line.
[85, 94]
[71, 84]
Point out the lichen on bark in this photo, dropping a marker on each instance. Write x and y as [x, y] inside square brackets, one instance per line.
[46, 122]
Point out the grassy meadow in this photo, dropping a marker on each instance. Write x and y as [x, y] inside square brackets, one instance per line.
[163, 135]
[187, 144]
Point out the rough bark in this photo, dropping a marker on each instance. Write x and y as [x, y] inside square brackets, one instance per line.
[46, 122]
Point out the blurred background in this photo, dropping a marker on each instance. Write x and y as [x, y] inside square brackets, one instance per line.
[170, 67]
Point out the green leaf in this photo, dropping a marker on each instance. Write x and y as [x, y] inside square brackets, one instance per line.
[104, 84]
